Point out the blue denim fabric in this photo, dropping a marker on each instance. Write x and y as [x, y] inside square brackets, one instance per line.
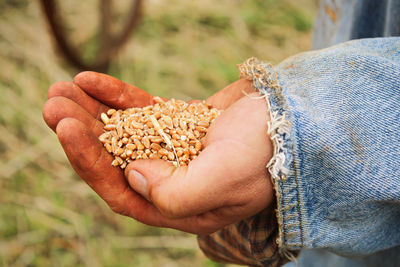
[322, 258]
[338, 21]
[342, 20]
[342, 192]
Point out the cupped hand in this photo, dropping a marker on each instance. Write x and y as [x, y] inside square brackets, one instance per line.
[227, 182]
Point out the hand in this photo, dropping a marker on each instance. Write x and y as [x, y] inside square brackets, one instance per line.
[226, 183]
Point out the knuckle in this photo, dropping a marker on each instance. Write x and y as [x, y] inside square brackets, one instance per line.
[122, 204]
[49, 112]
[207, 226]
[117, 206]
[117, 209]
[53, 101]
[59, 89]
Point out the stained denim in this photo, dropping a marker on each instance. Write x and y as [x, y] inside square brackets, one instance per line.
[342, 191]
[343, 20]
[339, 21]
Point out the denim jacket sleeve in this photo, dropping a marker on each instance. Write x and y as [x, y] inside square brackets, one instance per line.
[335, 125]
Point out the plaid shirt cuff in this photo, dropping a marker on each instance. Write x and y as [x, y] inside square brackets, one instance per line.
[249, 242]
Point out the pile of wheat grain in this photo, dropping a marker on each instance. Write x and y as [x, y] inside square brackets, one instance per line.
[169, 130]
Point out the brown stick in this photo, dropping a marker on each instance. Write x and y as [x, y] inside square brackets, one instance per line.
[109, 45]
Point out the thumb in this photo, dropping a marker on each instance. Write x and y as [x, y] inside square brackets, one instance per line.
[176, 192]
[144, 176]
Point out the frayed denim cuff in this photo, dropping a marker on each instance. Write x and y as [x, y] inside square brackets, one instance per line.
[335, 130]
[281, 165]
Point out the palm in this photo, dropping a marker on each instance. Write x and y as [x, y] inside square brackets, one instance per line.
[236, 141]
[73, 111]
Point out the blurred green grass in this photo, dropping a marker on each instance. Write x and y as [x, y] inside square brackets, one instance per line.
[183, 49]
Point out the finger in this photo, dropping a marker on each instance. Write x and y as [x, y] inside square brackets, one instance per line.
[171, 189]
[201, 187]
[194, 101]
[230, 94]
[111, 91]
[93, 164]
[57, 108]
[73, 92]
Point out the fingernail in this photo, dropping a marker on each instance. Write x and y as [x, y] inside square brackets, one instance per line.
[138, 182]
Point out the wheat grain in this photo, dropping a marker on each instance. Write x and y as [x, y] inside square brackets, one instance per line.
[169, 130]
